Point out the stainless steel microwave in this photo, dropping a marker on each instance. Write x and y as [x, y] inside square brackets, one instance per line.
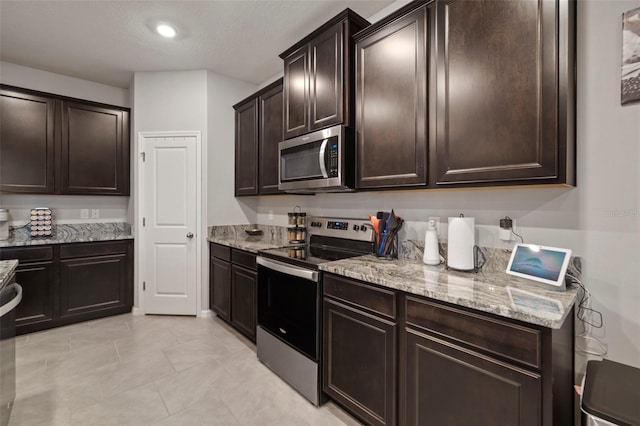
[322, 161]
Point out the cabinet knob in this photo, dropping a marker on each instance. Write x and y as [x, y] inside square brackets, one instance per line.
[189, 234]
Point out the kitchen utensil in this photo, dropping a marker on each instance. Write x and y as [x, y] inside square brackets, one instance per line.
[387, 220]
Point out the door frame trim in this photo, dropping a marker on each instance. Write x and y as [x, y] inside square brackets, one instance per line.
[201, 233]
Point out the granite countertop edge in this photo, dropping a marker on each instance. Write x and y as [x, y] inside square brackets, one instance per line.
[7, 267]
[67, 240]
[250, 244]
[360, 268]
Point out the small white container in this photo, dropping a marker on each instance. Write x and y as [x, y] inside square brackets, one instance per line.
[431, 254]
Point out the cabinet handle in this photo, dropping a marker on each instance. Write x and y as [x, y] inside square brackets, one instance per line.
[282, 330]
[189, 235]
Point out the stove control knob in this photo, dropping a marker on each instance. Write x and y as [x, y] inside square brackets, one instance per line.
[363, 228]
[356, 227]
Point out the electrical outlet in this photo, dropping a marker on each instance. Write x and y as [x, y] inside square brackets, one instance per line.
[270, 214]
[436, 219]
[84, 213]
[95, 213]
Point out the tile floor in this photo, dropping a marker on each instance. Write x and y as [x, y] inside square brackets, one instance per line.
[159, 370]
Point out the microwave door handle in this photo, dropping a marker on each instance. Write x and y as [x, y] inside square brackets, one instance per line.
[323, 166]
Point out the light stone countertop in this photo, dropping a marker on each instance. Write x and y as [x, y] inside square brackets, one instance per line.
[248, 243]
[493, 292]
[71, 233]
[6, 269]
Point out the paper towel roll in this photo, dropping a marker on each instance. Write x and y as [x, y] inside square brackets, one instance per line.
[461, 242]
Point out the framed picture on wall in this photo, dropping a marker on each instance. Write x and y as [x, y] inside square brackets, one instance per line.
[630, 83]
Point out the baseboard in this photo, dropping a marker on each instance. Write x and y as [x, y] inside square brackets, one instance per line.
[136, 311]
[205, 313]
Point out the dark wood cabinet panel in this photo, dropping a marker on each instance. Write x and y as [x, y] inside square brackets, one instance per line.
[391, 103]
[318, 76]
[36, 311]
[442, 376]
[56, 145]
[296, 93]
[92, 284]
[220, 288]
[94, 150]
[243, 300]
[326, 80]
[69, 283]
[246, 173]
[27, 162]
[497, 92]
[270, 136]
[360, 362]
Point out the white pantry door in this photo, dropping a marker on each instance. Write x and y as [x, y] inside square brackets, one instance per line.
[170, 225]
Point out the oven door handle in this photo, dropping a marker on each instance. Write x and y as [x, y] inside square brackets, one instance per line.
[9, 306]
[304, 273]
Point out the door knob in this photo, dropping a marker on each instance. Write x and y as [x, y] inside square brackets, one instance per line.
[189, 234]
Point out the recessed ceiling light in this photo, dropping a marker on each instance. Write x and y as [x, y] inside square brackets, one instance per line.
[166, 30]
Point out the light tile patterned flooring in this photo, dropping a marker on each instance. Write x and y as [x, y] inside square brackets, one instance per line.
[159, 370]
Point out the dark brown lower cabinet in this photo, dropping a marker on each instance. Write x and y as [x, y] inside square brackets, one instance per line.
[360, 362]
[69, 283]
[449, 385]
[220, 287]
[441, 364]
[94, 280]
[36, 309]
[243, 300]
[233, 280]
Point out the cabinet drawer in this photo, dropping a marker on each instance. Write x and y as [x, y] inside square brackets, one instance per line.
[27, 254]
[497, 337]
[243, 258]
[92, 249]
[375, 299]
[220, 251]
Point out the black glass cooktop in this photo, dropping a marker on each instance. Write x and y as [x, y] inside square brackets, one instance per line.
[309, 255]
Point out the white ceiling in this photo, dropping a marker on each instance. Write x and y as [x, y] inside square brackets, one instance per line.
[107, 41]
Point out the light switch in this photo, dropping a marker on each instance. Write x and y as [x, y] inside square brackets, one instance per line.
[95, 213]
[84, 213]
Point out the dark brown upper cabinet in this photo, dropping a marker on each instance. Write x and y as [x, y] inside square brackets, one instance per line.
[27, 162]
[270, 104]
[94, 155]
[318, 77]
[57, 145]
[258, 132]
[391, 102]
[247, 148]
[505, 92]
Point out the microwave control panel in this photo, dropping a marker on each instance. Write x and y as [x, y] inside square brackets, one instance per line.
[333, 157]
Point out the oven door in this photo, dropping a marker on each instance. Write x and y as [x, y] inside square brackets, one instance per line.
[10, 297]
[288, 298]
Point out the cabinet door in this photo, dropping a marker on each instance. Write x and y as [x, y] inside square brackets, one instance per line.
[449, 385]
[496, 91]
[270, 137]
[243, 300]
[391, 104]
[326, 80]
[36, 311]
[94, 150]
[296, 93]
[247, 149]
[220, 288]
[26, 143]
[360, 362]
[93, 284]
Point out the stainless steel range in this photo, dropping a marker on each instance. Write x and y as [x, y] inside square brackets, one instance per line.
[290, 295]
